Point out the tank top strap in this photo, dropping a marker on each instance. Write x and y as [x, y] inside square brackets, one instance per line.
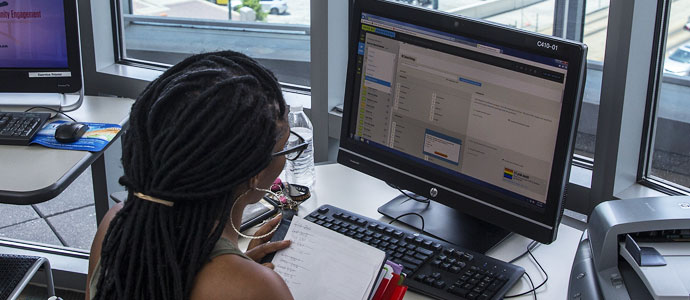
[225, 246]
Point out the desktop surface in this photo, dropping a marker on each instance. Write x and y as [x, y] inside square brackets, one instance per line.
[41, 173]
[348, 189]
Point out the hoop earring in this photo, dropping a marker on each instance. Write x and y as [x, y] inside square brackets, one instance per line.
[252, 237]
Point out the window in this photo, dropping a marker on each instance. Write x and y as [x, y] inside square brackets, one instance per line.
[670, 155]
[594, 36]
[275, 32]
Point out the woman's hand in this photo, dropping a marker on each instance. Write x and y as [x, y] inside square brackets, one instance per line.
[258, 248]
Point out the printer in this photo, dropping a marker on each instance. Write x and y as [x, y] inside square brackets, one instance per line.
[634, 249]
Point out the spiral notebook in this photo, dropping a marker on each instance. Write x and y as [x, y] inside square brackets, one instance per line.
[323, 264]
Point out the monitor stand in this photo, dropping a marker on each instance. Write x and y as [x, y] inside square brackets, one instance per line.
[57, 101]
[446, 223]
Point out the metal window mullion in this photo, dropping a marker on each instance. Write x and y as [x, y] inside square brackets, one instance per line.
[655, 80]
[319, 77]
[627, 66]
[99, 53]
[569, 19]
[127, 7]
[117, 12]
[294, 29]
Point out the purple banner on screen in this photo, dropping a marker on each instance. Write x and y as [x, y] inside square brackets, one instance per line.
[32, 34]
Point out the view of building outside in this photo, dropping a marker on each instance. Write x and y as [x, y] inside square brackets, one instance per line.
[276, 11]
[671, 149]
[274, 32]
[532, 15]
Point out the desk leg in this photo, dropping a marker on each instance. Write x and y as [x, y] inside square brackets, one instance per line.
[100, 188]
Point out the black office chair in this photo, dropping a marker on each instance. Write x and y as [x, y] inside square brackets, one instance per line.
[17, 270]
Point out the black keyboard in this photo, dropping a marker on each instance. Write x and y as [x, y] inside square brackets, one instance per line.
[18, 128]
[433, 267]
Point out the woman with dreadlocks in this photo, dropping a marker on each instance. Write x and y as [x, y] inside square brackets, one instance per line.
[204, 140]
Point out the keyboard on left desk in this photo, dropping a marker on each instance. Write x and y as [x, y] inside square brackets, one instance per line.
[18, 128]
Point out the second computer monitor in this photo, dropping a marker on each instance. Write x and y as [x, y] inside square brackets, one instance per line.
[476, 116]
[39, 47]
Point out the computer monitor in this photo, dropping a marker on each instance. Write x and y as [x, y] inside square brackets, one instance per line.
[39, 51]
[478, 117]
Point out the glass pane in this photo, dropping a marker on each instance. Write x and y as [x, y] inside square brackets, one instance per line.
[594, 36]
[532, 17]
[671, 149]
[275, 32]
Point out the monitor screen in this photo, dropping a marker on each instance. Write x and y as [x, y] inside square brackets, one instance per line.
[32, 34]
[464, 107]
[39, 46]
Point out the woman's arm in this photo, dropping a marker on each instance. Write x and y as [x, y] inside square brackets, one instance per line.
[235, 277]
[95, 253]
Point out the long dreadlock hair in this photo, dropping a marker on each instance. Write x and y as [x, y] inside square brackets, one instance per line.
[198, 132]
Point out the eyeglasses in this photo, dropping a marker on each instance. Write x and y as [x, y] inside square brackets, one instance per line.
[294, 147]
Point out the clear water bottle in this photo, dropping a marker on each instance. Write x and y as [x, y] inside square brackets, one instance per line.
[301, 170]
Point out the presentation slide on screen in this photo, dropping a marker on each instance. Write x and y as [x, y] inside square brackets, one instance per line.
[32, 34]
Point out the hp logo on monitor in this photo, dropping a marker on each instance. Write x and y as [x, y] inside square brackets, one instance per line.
[433, 192]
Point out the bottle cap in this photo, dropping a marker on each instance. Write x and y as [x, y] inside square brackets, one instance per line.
[294, 108]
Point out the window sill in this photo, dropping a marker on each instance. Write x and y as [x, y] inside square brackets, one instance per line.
[132, 72]
[147, 75]
[639, 191]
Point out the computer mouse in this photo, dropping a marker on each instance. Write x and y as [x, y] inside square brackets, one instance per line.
[70, 132]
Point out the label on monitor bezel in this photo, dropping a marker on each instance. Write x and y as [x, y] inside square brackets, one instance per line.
[49, 74]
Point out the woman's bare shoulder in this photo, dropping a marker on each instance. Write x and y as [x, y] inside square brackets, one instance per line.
[232, 276]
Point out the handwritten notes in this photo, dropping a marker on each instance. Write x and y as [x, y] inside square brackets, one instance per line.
[323, 264]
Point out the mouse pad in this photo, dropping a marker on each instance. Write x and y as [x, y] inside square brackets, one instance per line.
[95, 139]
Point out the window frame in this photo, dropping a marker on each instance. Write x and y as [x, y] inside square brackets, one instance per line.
[657, 78]
[620, 169]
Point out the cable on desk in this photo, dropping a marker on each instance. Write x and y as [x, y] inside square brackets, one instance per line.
[534, 289]
[413, 197]
[51, 109]
[530, 247]
[407, 214]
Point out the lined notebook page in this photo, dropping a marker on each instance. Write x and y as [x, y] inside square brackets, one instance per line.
[323, 264]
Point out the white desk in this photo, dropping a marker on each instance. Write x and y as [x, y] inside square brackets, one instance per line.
[33, 174]
[348, 189]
